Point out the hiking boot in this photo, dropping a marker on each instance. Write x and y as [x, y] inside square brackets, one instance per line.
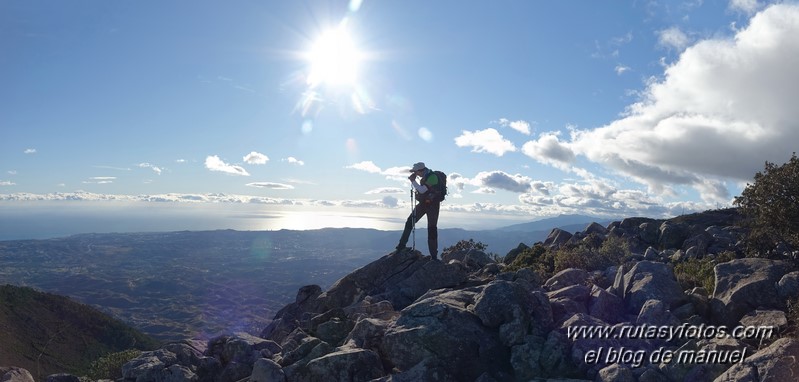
[401, 248]
[434, 257]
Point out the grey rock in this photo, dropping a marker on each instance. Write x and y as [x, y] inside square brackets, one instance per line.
[507, 306]
[788, 286]
[615, 373]
[777, 362]
[651, 281]
[672, 235]
[266, 370]
[651, 254]
[556, 238]
[15, 374]
[343, 365]
[440, 327]
[744, 285]
[566, 277]
[648, 232]
[604, 305]
[767, 321]
[656, 313]
[595, 228]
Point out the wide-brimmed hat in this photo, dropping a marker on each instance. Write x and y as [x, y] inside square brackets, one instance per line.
[418, 166]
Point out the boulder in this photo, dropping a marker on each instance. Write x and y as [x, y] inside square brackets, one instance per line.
[538, 357]
[672, 235]
[286, 319]
[566, 277]
[648, 232]
[342, 365]
[778, 362]
[514, 253]
[656, 313]
[556, 238]
[744, 285]
[605, 306]
[788, 286]
[440, 330]
[768, 323]
[615, 373]
[507, 306]
[266, 370]
[649, 280]
[15, 374]
[595, 228]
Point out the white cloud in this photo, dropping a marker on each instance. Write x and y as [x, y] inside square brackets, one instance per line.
[7, 183]
[520, 126]
[620, 69]
[255, 158]
[213, 163]
[745, 6]
[390, 201]
[504, 181]
[181, 161]
[156, 169]
[386, 190]
[293, 160]
[29, 151]
[425, 134]
[367, 166]
[673, 38]
[485, 141]
[100, 180]
[549, 149]
[720, 112]
[271, 185]
[12, 172]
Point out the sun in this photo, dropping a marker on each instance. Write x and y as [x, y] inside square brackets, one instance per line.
[334, 59]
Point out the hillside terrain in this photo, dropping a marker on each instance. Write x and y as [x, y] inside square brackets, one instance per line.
[532, 316]
[47, 334]
[178, 285]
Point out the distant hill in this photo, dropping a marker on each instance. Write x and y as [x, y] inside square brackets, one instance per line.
[46, 333]
[566, 222]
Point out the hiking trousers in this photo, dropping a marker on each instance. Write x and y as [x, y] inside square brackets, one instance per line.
[431, 210]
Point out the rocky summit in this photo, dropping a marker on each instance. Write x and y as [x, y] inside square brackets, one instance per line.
[469, 317]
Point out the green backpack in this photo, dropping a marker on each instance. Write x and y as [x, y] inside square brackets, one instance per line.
[440, 190]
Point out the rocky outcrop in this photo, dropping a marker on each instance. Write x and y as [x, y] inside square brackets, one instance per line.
[406, 317]
[744, 285]
[15, 374]
[778, 362]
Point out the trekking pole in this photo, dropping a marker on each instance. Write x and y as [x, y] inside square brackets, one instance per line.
[413, 216]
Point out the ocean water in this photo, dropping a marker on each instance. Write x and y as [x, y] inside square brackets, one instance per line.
[50, 219]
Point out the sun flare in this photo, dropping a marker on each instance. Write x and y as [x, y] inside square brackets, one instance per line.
[334, 59]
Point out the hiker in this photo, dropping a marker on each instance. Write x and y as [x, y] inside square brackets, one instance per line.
[430, 191]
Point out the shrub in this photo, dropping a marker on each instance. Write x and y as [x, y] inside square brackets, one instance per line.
[465, 245]
[110, 366]
[536, 258]
[696, 273]
[699, 272]
[771, 207]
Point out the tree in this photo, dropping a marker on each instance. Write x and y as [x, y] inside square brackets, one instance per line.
[771, 206]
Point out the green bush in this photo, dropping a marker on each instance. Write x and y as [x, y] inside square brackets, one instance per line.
[465, 245]
[771, 207]
[699, 272]
[536, 257]
[695, 273]
[110, 366]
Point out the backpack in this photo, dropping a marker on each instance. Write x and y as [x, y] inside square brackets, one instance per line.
[440, 189]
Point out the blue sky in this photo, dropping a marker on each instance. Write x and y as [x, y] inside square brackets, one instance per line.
[533, 108]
